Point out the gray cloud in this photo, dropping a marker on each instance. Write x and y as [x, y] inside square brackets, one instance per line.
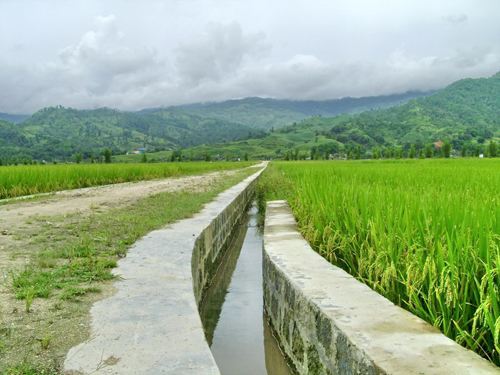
[456, 18]
[219, 52]
[170, 52]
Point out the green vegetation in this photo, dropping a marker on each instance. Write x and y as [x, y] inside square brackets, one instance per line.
[17, 181]
[27, 369]
[424, 233]
[269, 114]
[465, 115]
[59, 133]
[72, 261]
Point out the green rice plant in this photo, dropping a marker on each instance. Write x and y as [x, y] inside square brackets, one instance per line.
[28, 300]
[423, 233]
[23, 180]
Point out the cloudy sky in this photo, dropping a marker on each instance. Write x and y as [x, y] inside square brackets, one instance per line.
[134, 54]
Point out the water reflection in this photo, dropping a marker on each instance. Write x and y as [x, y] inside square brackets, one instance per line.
[214, 296]
[232, 312]
[275, 363]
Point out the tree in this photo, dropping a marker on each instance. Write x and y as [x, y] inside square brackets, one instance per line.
[411, 153]
[245, 157]
[78, 158]
[144, 158]
[428, 151]
[176, 155]
[463, 152]
[446, 149]
[313, 153]
[399, 153]
[492, 149]
[107, 155]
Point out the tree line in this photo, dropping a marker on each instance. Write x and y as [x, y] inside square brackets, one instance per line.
[444, 150]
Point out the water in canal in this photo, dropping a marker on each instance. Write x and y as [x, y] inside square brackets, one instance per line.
[232, 314]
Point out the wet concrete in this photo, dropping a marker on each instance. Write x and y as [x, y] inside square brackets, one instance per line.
[232, 313]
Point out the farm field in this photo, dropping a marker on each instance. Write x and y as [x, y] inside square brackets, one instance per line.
[423, 233]
[22, 180]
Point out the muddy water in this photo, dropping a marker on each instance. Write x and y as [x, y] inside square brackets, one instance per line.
[233, 317]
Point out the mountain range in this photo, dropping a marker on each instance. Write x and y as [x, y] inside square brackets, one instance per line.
[466, 114]
[58, 133]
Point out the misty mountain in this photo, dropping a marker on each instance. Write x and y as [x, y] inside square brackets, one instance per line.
[16, 119]
[264, 113]
[466, 113]
[57, 133]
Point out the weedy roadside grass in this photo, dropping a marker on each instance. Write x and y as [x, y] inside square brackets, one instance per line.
[16, 181]
[423, 233]
[73, 266]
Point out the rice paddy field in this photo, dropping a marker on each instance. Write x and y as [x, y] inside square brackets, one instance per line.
[23, 180]
[423, 233]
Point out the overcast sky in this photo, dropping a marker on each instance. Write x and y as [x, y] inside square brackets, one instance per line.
[134, 54]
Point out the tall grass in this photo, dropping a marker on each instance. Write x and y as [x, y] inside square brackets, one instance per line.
[17, 181]
[425, 234]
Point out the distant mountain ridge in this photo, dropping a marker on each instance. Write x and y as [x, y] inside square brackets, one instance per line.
[466, 113]
[267, 113]
[59, 133]
[14, 118]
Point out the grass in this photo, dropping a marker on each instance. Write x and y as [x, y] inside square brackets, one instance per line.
[74, 260]
[16, 181]
[28, 369]
[88, 251]
[423, 233]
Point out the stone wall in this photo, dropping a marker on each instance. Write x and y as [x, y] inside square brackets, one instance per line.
[211, 244]
[327, 322]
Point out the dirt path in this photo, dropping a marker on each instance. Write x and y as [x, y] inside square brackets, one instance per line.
[20, 220]
[66, 202]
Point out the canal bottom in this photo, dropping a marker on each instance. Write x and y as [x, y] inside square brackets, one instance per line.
[233, 314]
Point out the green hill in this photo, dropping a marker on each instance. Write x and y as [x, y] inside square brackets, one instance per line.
[58, 133]
[266, 114]
[466, 114]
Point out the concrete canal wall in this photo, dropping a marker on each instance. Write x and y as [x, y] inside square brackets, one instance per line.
[151, 325]
[327, 322]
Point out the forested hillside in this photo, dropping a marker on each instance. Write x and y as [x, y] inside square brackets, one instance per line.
[465, 114]
[58, 133]
[270, 114]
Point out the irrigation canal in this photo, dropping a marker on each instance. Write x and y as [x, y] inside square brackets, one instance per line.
[233, 315]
